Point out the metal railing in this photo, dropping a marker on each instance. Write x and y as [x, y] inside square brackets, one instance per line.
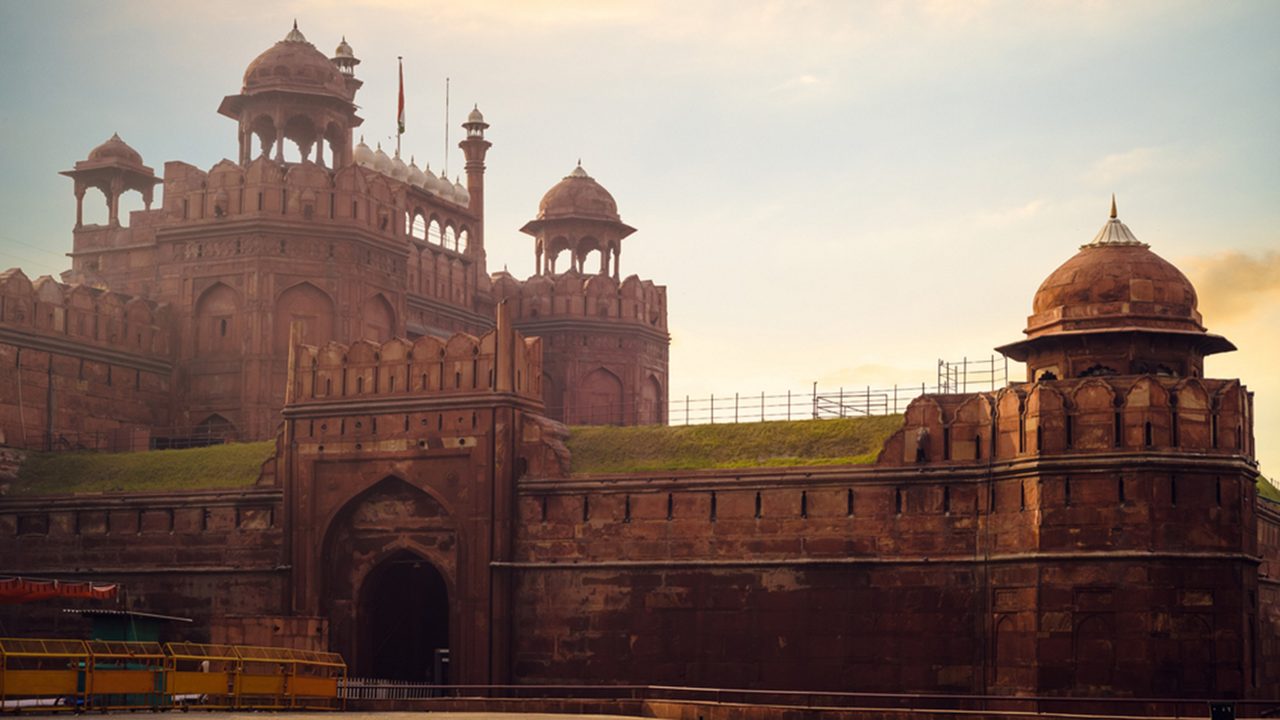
[962, 376]
[937, 704]
[126, 439]
[75, 675]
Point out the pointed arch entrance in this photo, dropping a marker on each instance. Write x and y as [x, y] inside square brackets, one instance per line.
[390, 567]
[403, 614]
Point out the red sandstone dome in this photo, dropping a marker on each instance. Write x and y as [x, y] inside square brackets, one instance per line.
[296, 65]
[578, 195]
[1114, 282]
[115, 150]
[1115, 308]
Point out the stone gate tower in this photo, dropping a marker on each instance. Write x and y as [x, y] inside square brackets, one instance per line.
[604, 339]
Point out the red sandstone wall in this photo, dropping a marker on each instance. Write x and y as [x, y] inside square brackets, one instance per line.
[604, 345]
[204, 555]
[84, 368]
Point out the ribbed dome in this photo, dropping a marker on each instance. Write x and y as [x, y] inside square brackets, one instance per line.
[344, 50]
[115, 149]
[296, 65]
[363, 154]
[381, 161]
[428, 179]
[578, 195]
[475, 116]
[460, 192]
[415, 176]
[1114, 282]
[399, 170]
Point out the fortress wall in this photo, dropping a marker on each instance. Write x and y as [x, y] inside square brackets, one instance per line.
[1063, 570]
[1267, 600]
[89, 368]
[203, 555]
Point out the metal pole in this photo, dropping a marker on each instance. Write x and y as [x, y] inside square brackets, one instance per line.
[868, 402]
[761, 406]
[713, 408]
[841, 401]
[895, 398]
[735, 408]
[815, 400]
[686, 409]
[788, 406]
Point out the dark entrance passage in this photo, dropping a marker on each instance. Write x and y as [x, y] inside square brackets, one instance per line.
[404, 619]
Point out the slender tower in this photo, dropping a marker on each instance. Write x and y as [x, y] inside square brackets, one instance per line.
[474, 148]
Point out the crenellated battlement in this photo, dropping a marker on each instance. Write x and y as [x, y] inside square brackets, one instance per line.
[84, 315]
[577, 295]
[463, 364]
[1084, 415]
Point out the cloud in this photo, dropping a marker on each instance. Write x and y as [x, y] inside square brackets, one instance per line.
[1233, 285]
[1009, 216]
[1148, 161]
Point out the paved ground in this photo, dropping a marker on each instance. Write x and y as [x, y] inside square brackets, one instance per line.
[260, 715]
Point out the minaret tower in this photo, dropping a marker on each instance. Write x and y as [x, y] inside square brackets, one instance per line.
[474, 147]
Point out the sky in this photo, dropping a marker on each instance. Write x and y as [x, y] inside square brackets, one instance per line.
[833, 192]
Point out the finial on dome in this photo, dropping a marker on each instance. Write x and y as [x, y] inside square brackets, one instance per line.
[1113, 206]
[295, 35]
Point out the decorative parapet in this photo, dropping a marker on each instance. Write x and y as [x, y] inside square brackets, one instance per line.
[47, 311]
[1143, 413]
[499, 361]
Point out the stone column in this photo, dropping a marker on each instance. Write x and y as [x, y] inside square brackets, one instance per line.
[79, 205]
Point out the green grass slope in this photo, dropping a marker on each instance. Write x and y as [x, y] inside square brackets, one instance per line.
[220, 466]
[1267, 491]
[846, 441]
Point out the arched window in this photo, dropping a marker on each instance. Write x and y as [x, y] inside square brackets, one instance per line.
[450, 239]
[434, 235]
[464, 241]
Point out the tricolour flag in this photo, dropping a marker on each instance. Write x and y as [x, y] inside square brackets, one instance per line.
[400, 112]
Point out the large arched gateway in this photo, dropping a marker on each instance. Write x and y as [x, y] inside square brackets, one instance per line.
[389, 560]
[403, 620]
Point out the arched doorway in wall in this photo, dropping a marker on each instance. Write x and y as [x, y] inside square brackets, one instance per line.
[308, 305]
[377, 319]
[217, 311]
[389, 565]
[600, 399]
[651, 410]
[404, 619]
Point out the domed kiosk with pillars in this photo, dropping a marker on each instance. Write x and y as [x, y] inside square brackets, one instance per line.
[605, 339]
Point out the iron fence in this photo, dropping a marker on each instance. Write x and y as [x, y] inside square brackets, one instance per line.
[940, 704]
[123, 439]
[962, 376]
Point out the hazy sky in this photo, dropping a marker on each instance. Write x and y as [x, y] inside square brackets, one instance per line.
[837, 192]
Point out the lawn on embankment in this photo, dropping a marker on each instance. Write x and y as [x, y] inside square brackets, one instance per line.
[647, 448]
[230, 466]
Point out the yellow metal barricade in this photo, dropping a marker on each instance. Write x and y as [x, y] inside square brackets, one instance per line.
[200, 674]
[262, 677]
[42, 675]
[125, 675]
[315, 680]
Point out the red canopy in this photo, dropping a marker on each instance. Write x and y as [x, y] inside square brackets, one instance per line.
[14, 590]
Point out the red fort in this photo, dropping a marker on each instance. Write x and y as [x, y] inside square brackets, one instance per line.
[1093, 530]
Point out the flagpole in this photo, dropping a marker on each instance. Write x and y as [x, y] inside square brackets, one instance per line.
[446, 127]
[400, 115]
